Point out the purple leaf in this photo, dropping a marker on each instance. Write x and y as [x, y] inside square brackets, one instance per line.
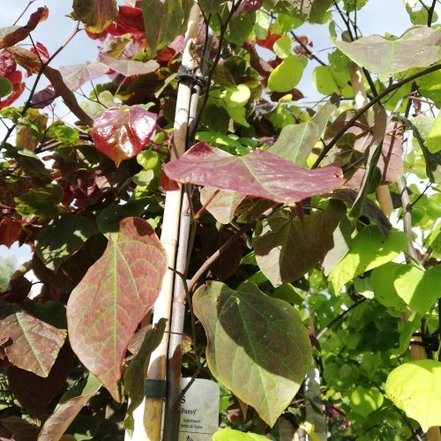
[260, 174]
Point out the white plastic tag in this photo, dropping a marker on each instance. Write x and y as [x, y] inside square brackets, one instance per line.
[199, 410]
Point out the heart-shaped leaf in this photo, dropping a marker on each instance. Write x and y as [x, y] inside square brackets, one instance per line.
[415, 388]
[287, 247]
[30, 343]
[259, 174]
[388, 57]
[365, 401]
[257, 346]
[121, 132]
[104, 310]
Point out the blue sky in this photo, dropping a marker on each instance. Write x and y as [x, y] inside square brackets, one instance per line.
[378, 16]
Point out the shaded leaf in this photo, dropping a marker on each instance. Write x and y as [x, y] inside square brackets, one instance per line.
[62, 237]
[42, 201]
[134, 376]
[68, 408]
[368, 250]
[121, 132]
[35, 393]
[163, 21]
[9, 230]
[97, 15]
[19, 33]
[296, 141]
[129, 67]
[19, 429]
[260, 174]
[287, 247]
[5, 87]
[415, 388]
[389, 57]
[32, 344]
[311, 10]
[257, 346]
[221, 205]
[364, 401]
[104, 310]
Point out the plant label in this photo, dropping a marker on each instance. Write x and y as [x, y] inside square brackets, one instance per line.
[199, 410]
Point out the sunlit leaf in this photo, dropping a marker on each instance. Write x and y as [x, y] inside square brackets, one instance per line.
[311, 10]
[415, 388]
[121, 132]
[68, 408]
[419, 289]
[104, 310]
[129, 67]
[257, 346]
[97, 15]
[236, 435]
[388, 57]
[259, 174]
[296, 141]
[41, 201]
[31, 344]
[287, 74]
[368, 250]
[221, 205]
[76, 75]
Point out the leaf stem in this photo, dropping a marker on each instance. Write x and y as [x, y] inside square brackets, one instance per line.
[364, 109]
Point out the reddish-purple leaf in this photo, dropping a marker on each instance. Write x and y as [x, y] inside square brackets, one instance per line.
[121, 132]
[259, 174]
[129, 67]
[115, 294]
[9, 230]
[97, 15]
[77, 75]
[32, 345]
[17, 34]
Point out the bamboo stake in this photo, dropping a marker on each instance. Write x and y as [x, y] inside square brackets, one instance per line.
[148, 417]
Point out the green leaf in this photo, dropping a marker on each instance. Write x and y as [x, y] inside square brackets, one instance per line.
[118, 290]
[234, 100]
[365, 401]
[63, 133]
[433, 140]
[287, 74]
[134, 376]
[287, 247]
[30, 343]
[382, 282]
[415, 388]
[163, 21]
[62, 237]
[296, 141]
[311, 10]
[68, 408]
[419, 289]
[210, 6]
[240, 27]
[389, 57]
[97, 15]
[236, 435]
[283, 46]
[5, 87]
[257, 346]
[368, 250]
[42, 201]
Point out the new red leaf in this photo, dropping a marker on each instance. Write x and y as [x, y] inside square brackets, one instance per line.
[121, 132]
[31, 344]
[116, 293]
[260, 174]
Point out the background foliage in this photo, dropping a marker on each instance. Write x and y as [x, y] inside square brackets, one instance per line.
[315, 233]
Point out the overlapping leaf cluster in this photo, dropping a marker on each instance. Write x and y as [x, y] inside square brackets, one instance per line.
[316, 238]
